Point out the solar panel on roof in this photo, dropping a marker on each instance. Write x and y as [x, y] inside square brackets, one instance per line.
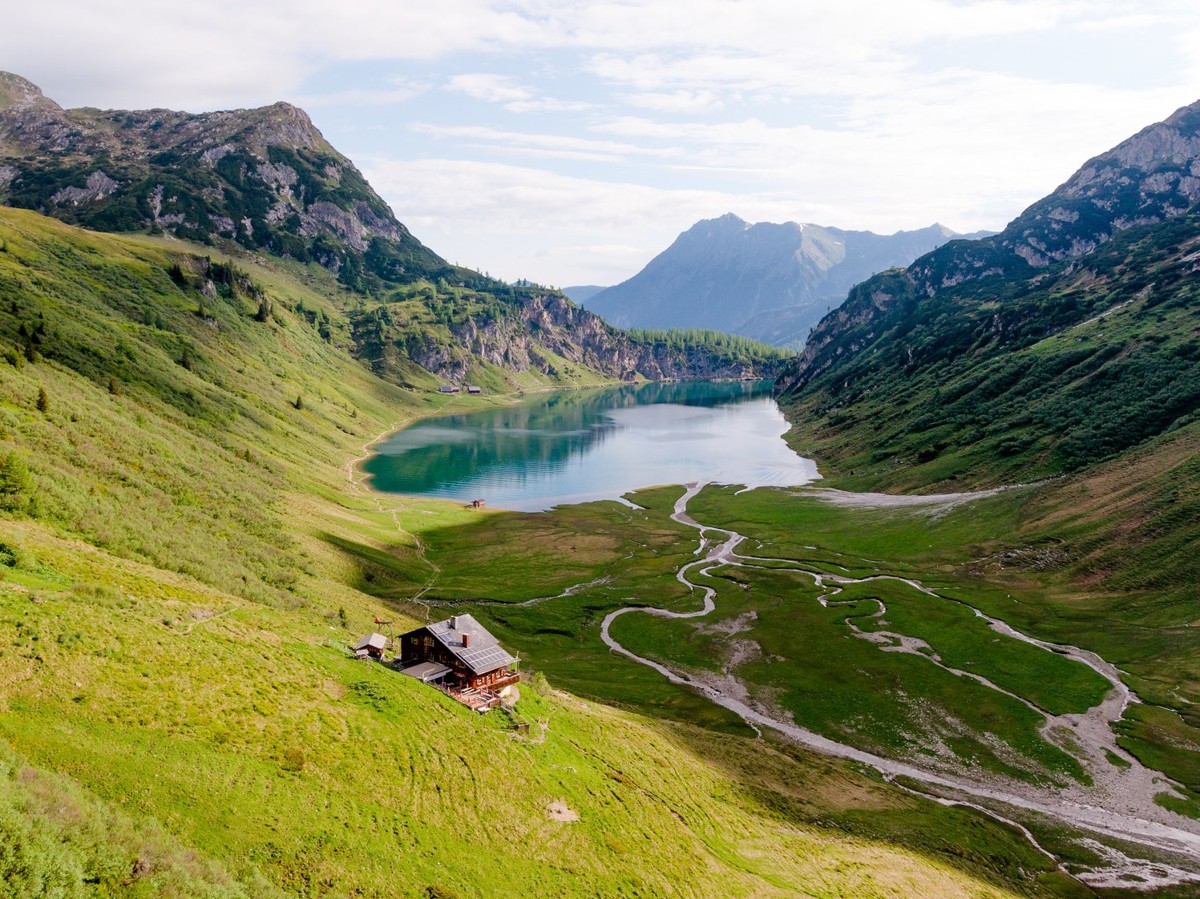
[485, 658]
[484, 653]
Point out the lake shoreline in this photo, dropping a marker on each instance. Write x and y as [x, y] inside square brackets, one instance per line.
[583, 445]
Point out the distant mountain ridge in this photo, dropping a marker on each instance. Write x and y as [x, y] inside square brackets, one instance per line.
[766, 281]
[581, 293]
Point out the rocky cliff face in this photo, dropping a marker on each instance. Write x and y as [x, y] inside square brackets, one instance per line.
[265, 178]
[1151, 178]
[548, 330]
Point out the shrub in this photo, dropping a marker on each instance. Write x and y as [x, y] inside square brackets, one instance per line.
[16, 484]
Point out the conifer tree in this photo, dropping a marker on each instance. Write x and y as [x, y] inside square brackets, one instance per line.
[16, 484]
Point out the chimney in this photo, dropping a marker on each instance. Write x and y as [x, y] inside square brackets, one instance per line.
[453, 622]
[466, 641]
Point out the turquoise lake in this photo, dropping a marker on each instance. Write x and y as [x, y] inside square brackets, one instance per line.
[576, 446]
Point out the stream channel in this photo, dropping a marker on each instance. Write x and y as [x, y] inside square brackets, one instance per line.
[577, 446]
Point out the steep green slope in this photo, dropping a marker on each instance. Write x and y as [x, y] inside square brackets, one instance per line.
[1062, 351]
[995, 381]
[1060, 342]
[182, 558]
[266, 181]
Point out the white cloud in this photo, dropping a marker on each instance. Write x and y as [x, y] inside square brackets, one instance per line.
[517, 221]
[362, 97]
[489, 88]
[650, 113]
[542, 144]
[508, 93]
[679, 101]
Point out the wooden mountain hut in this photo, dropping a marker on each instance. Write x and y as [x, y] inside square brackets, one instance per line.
[471, 657]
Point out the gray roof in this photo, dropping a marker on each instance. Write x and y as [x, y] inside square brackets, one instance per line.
[375, 641]
[426, 671]
[483, 655]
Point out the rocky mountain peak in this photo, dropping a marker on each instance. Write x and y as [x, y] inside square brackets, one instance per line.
[767, 280]
[17, 92]
[1151, 177]
[285, 126]
[264, 178]
[1148, 179]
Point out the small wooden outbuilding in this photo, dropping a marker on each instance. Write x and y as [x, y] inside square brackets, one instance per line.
[371, 646]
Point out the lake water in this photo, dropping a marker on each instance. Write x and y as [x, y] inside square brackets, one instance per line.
[575, 446]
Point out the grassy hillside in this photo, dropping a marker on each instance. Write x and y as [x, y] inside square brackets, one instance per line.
[1088, 370]
[184, 561]
[997, 381]
[795, 655]
[266, 181]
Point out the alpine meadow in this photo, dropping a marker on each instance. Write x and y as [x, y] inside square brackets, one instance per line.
[963, 662]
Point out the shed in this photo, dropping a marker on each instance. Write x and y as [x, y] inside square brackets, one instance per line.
[471, 388]
[371, 645]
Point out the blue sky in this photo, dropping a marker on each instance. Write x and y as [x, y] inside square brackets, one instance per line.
[570, 142]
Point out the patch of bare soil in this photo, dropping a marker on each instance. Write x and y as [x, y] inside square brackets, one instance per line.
[933, 502]
[558, 810]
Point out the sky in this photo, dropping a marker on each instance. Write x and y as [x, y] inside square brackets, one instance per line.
[570, 141]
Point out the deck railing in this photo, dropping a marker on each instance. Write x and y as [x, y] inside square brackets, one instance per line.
[483, 699]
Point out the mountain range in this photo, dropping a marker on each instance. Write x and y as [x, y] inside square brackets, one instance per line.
[766, 281]
[195, 355]
[1064, 340]
[266, 181]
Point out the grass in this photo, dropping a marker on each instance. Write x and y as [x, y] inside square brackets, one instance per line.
[1058, 561]
[173, 665]
[242, 725]
[802, 657]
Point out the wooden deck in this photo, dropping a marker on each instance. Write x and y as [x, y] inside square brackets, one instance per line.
[480, 699]
[483, 699]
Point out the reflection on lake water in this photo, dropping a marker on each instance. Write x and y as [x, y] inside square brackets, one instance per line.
[579, 445]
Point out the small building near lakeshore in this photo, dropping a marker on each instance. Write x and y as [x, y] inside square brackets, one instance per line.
[471, 388]
[448, 388]
[458, 653]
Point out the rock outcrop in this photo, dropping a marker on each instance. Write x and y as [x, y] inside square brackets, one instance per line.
[265, 178]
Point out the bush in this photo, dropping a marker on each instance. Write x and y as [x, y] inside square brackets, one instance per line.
[16, 485]
[32, 861]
